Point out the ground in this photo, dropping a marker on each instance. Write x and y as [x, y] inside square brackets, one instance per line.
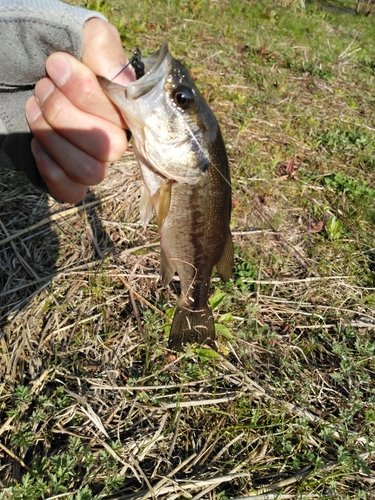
[92, 402]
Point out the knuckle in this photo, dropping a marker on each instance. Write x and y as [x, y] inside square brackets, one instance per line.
[54, 110]
[92, 173]
[119, 145]
[86, 92]
[103, 32]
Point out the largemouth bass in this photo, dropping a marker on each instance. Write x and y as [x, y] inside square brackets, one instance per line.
[184, 166]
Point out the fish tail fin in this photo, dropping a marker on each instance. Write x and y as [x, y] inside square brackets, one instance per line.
[192, 326]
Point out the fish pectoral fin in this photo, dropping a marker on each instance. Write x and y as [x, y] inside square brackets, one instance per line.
[164, 202]
[191, 326]
[225, 265]
[166, 268]
[145, 207]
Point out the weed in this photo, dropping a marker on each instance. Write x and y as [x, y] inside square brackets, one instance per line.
[334, 228]
[353, 188]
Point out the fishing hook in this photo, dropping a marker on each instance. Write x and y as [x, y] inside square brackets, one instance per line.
[136, 62]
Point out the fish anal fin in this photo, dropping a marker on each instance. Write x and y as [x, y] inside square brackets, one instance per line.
[225, 265]
[191, 326]
[166, 269]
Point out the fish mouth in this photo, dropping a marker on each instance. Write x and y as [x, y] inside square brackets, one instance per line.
[140, 99]
[157, 67]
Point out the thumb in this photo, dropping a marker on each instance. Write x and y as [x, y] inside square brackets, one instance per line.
[103, 53]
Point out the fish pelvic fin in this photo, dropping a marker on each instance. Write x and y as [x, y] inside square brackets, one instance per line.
[191, 326]
[145, 207]
[164, 202]
[225, 265]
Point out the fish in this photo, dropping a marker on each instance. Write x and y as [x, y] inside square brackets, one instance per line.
[180, 149]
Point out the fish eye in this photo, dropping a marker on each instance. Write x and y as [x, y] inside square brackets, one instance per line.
[183, 97]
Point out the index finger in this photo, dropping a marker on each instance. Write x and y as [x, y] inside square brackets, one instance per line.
[103, 52]
[80, 85]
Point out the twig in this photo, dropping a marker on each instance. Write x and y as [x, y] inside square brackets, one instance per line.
[257, 390]
[175, 434]
[62, 495]
[142, 299]
[344, 53]
[14, 457]
[159, 485]
[54, 217]
[281, 301]
[189, 404]
[266, 496]
[89, 412]
[22, 261]
[204, 454]
[212, 486]
[291, 282]
[266, 492]
[73, 325]
[155, 438]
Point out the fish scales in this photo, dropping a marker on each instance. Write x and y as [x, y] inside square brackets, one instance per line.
[193, 236]
[184, 166]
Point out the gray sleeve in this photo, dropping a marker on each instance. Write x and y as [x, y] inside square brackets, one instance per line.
[30, 30]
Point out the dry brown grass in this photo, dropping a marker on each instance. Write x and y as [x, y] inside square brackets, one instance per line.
[78, 284]
[50, 262]
[286, 406]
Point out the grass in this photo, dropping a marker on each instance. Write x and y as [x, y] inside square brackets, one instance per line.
[92, 403]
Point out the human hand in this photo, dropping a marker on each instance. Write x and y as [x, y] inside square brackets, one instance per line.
[77, 130]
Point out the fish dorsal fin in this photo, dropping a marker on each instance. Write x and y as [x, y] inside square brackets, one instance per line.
[226, 263]
[166, 268]
[145, 207]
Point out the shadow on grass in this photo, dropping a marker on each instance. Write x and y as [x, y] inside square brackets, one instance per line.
[338, 7]
[29, 241]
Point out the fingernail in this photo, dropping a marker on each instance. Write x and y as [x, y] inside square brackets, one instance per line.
[58, 69]
[43, 89]
[32, 110]
[38, 151]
